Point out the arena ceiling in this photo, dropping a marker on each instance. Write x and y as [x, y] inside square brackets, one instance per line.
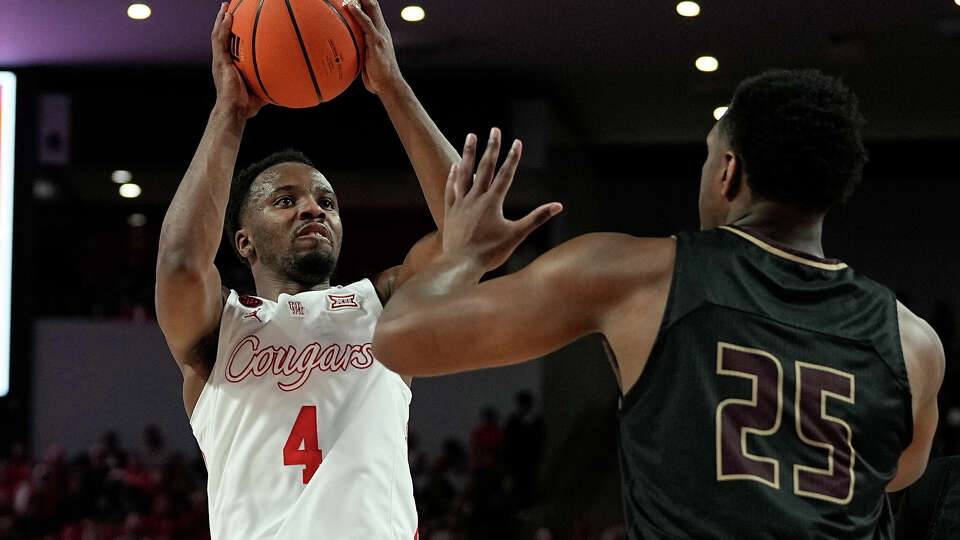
[622, 68]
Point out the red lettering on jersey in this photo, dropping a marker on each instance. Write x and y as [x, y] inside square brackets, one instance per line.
[343, 301]
[296, 308]
[284, 362]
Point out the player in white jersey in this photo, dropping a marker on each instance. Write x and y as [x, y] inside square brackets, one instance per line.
[302, 429]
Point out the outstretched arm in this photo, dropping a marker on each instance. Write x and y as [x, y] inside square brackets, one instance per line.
[189, 295]
[429, 151]
[443, 321]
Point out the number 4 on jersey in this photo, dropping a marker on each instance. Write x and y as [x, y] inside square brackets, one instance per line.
[302, 446]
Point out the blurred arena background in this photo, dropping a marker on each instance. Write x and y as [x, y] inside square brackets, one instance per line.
[613, 114]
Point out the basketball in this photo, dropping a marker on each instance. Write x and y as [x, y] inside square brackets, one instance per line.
[295, 53]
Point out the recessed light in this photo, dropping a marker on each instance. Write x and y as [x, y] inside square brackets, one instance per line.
[138, 12]
[691, 9]
[130, 191]
[121, 177]
[136, 220]
[707, 63]
[719, 112]
[44, 189]
[412, 13]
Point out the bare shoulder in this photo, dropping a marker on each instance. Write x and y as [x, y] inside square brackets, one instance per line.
[922, 352]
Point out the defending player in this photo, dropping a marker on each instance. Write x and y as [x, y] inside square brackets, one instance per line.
[303, 431]
[767, 392]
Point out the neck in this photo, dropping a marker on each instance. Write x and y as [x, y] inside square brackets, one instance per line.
[271, 286]
[796, 229]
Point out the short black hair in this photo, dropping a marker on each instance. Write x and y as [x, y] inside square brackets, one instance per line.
[797, 134]
[240, 189]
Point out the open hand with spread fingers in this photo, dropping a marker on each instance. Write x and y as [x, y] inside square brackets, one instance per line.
[474, 226]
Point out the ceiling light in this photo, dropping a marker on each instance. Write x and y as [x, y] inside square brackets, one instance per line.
[138, 12]
[412, 13]
[121, 177]
[136, 220]
[957, 2]
[44, 189]
[692, 9]
[707, 63]
[130, 191]
[719, 112]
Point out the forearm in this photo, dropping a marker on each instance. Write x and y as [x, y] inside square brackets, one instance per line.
[429, 151]
[408, 332]
[193, 225]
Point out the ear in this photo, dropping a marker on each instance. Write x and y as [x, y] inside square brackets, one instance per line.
[731, 180]
[244, 244]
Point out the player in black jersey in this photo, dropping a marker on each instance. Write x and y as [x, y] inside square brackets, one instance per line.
[768, 392]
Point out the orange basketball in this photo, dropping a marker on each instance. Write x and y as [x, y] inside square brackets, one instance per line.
[295, 53]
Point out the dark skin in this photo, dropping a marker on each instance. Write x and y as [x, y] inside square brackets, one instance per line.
[291, 232]
[443, 320]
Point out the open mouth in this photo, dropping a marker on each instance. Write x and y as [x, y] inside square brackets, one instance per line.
[314, 230]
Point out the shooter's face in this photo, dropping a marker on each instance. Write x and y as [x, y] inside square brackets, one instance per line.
[292, 223]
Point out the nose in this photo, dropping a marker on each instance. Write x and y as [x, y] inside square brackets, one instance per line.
[312, 210]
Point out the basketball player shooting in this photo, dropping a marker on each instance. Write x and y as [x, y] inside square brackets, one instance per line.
[303, 431]
[767, 392]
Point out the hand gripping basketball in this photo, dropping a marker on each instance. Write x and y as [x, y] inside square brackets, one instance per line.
[232, 93]
[474, 225]
[380, 69]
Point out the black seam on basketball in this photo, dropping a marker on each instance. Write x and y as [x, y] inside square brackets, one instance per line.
[303, 49]
[350, 30]
[253, 52]
[236, 7]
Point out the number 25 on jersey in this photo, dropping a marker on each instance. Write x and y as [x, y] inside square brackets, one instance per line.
[302, 446]
[761, 414]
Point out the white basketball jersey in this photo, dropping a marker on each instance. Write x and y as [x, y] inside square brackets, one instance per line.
[303, 431]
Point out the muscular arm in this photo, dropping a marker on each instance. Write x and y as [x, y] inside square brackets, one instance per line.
[189, 295]
[442, 321]
[189, 299]
[429, 151]
[924, 357]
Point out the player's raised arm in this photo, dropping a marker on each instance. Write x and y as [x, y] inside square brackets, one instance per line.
[188, 295]
[429, 151]
[430, 326]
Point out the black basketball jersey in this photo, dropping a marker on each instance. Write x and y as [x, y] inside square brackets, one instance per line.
[774, 404]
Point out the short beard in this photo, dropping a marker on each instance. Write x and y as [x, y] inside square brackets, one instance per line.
[311, 268]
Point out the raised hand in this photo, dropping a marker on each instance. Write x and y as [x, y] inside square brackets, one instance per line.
[474, 225]
[380, 69]
[232, 92]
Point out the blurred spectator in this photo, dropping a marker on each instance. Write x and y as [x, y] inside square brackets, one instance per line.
[487, 439]
[150, 493]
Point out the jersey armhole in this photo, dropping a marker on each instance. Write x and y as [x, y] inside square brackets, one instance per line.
[900, 370]
[204, 408]
[627, 400]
